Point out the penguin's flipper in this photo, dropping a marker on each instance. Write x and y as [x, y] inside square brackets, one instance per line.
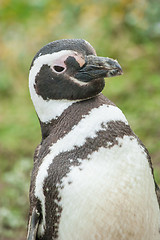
[33, 225]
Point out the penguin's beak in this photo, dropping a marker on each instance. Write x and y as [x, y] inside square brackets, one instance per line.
[98, 67]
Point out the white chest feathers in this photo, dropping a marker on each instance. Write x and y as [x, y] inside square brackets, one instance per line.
[111, 197]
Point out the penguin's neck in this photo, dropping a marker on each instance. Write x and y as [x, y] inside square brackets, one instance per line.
[46, 128]
[48, 110]
[73, 113]
[51, 115]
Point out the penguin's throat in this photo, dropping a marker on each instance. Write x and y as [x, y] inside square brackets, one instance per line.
[50, 110]
[49, 114]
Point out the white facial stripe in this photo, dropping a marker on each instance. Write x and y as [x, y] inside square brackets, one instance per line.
[51, 59]
[87, 127]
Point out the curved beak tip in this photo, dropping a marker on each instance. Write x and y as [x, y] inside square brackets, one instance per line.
[120, 71]
[114, 68]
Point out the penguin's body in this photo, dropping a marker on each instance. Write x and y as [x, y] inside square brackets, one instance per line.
[92, 177]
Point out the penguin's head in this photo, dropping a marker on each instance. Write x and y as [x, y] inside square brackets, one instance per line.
[69, 70]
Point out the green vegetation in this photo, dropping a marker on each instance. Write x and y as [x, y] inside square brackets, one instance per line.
[127, 30]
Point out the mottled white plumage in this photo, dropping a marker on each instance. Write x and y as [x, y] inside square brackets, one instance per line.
[116, 183]
[87, 127]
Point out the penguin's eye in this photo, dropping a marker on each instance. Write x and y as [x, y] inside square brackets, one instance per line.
[58, 69]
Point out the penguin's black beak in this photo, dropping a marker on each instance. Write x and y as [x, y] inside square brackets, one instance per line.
[98, 67]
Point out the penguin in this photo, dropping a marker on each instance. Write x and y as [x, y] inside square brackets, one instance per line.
[92, 177]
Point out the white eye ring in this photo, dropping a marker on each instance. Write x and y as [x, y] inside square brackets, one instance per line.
[58, 69]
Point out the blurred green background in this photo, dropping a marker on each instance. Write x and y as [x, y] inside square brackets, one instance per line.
[128, 30]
